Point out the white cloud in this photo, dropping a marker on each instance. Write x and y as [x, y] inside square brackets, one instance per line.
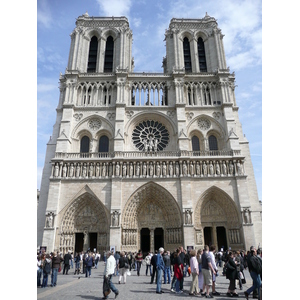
[136, 22]
[44, 13]
[115, 7]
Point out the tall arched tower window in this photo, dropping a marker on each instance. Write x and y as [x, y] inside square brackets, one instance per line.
[103, 144]
[195, 143]
[92, 55]
[187, 55]
[109, 55]
[201, 55]
[213, 143]
[85, 144]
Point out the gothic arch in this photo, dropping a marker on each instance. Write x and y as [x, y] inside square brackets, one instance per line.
[216, 206]
[151, 207]
[151, 196]
[84, 214]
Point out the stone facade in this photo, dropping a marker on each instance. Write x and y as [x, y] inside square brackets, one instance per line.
[143, 160]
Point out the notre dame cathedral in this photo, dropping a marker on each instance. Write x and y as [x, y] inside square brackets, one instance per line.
[144, 160]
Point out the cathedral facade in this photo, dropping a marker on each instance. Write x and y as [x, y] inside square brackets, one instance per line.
[144, 160]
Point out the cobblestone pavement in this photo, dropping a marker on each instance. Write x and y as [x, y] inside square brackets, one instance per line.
[78, 287]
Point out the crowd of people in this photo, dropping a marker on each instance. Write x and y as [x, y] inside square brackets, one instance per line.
[201, 265]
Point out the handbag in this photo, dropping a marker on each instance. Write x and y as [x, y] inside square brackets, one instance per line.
[106, 287]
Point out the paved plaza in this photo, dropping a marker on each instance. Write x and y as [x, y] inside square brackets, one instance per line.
[77, 287]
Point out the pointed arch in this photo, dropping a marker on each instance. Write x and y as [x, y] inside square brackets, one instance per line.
[85, 211]
[215, 205]
[151, 196]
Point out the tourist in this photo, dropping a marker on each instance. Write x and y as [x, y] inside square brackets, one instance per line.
[200, 276]
[81, 261]
[213, 263]
[186, 263]
[182, 257]
[97, 259]
[67, 259]
[207, 271]
[56, 261]
[46, 270]
[148, 263]
[139, 259]
[255, 269]
[160, 266]
[39, 269]
[153, 263]
[129, 256]
[167, 262]
[117, 257]
[231, 274]
[240, 268]
[77, 263]
[194, 290]
[88, 265]
[178, 272]
[109, 271]
[123, 267]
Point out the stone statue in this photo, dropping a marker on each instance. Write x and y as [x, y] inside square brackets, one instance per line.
[224, 168]
[56, 170]
[191, 169]
[184, 169]
[155, 144]
[137, 169]
[144, 169]
[171, 169]
[197, 168]
[64, 170]
[151, 168]
[218, 169]
[84, 171]
[177, 172]
[91, 170]
[124, 169]
[110, 170]
[130, 170]
[71, 171]
[211, 169]
[164, 169]
[204, 169]
[117, 169]
[77, 170]
[188, 217]
[231, 168]
[104, 170]
[49, 220]
[157, 169]
[239, 168]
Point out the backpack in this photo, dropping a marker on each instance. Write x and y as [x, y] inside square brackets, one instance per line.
[257, 265]
[47, 267]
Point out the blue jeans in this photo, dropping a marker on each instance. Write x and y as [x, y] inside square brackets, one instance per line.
[45, 279]
[173, 283]
[39, 275]
[54, 276]
[167, 273]
[88, 271]
[256, 283]
[159, 275]
[112, 286]
[177, 285]
[148, 267]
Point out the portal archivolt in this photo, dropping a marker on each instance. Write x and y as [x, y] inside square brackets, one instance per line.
[151, 206]
[216, 214]
[86, 215]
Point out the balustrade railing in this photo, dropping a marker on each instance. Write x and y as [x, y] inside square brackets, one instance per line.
[146, 154]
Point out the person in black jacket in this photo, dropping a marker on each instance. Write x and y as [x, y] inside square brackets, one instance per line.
[67, 259]
[231, 274]
[153, 263]
[255, 269]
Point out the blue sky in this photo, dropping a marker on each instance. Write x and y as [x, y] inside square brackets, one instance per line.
[240, 22]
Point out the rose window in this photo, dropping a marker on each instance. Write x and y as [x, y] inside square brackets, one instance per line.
[150, 136]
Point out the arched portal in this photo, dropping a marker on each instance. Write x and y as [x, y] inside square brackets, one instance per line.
[85, 224]
[217, 221]
[151, 213]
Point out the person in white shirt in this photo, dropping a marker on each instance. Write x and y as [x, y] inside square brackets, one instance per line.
[109, 271]
[213, 263]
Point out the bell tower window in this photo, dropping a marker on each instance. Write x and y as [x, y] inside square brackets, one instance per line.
[187, 55]
[213, 143]
[201, 55]
[109, 55]
[92, 55]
